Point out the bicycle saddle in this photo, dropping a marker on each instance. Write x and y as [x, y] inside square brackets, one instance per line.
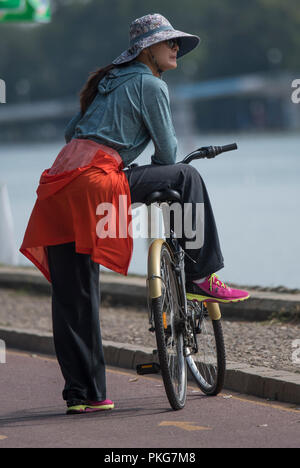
[166, 195]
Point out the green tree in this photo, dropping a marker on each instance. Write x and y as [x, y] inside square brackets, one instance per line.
[238, 36]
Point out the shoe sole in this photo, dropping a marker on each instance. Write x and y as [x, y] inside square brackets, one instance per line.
[81, 409]
[200, 298]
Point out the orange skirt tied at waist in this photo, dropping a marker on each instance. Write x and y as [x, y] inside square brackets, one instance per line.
[83, 198]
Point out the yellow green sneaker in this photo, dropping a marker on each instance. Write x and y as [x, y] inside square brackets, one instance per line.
[80, 407]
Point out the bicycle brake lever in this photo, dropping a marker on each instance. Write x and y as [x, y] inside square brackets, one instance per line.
[210, 151]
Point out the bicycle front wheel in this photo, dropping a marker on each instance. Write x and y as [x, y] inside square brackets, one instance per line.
[208, 362]
[166, 312]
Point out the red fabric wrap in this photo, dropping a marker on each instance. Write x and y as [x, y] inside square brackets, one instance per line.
[83, 176]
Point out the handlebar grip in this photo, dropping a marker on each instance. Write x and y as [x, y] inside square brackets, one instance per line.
[231, 147]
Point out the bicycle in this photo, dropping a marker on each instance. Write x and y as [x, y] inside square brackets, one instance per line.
[188, 333]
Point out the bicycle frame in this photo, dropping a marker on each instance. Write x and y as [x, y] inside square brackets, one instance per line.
[154, 279]
[212, 307]
[179, 254]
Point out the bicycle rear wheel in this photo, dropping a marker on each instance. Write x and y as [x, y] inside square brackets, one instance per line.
[169, 332]
[208, 365]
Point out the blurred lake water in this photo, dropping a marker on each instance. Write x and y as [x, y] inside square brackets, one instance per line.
[255, 194]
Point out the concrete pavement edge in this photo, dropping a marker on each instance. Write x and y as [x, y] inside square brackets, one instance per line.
[262, 382]
[131, 291]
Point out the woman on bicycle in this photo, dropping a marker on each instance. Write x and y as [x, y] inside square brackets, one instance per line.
[122, 108]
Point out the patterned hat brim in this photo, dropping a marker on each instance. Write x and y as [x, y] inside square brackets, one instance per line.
[188, 42]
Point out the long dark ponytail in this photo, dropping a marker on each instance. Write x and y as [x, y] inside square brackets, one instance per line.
[89, 90]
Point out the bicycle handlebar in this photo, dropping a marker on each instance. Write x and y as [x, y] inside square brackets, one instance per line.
[208, 152]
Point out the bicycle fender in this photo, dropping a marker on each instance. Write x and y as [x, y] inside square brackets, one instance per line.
[154, 273]
[213, 309]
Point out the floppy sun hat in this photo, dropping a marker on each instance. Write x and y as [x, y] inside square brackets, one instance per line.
[151, 29]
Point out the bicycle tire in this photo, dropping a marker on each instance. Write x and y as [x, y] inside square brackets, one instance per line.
[175, 367]
[210, 383]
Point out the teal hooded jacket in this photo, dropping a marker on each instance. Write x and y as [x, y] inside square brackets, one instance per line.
[131, 108]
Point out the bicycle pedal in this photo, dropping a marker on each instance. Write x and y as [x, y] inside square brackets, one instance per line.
[148, 368]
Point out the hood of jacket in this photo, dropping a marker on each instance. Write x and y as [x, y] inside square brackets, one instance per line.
[118, 76]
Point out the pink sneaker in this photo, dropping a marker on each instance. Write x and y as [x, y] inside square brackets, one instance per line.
[214, 290]
[91, 407]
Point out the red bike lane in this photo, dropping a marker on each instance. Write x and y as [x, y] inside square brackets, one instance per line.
[33, 414]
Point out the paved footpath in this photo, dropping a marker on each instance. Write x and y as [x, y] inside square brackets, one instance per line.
[33, 414]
